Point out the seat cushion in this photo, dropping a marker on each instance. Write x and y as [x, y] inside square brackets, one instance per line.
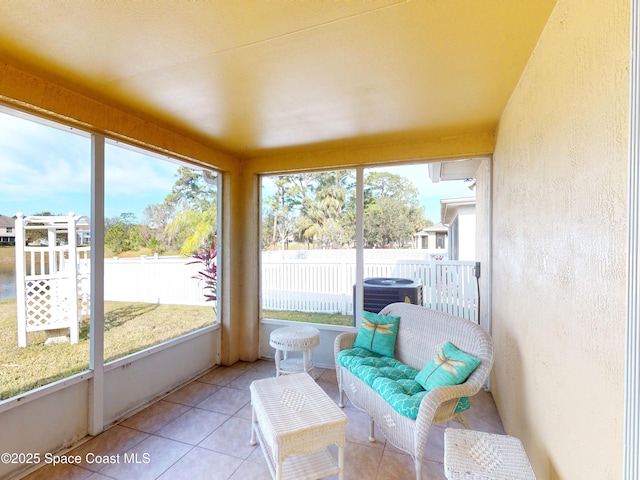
[394, 381]
[391, 379]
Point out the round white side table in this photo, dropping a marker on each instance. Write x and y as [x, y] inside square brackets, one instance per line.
[294, 339]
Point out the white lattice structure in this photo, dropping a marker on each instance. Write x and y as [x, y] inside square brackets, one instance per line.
[50, 278]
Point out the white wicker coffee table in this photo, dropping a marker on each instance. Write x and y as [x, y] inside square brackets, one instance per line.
[297, 338]
[295, 421]
[484, 456]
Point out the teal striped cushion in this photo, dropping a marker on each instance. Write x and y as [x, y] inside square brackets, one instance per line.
[391, 379]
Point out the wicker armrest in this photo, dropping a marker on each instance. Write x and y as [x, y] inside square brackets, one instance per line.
[450, 392]
[438, 396]
[439, 405]
[343, 341]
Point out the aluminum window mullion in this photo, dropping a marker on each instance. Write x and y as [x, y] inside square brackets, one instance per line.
[359, 296]
[96, 340]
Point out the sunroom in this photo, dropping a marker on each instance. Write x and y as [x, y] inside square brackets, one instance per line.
[544, 93]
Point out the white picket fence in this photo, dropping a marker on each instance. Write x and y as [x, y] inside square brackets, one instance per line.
[308, 285]
[322, 286]
[162, 280]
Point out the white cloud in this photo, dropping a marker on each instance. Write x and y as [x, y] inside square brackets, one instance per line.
[43, 168]
[128, 172]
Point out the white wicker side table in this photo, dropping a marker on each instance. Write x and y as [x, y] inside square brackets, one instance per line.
[299, 338]
[484, 456]
[295, 421]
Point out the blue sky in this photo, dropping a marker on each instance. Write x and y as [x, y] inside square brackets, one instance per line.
[49, 169]
[43, 168]
[431, 193]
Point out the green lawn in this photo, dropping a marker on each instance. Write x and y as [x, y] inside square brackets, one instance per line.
[129, 327]
[323, 318]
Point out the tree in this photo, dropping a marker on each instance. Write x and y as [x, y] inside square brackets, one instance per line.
[157, 217]
[324, 214]
[193, 228]
[319, 209]
[191, 191]
[155, 246]
[123, 233]
[282, 220]
[388, 223]
[115, 237]
[392, 212]
[281, 204]
[186, 219]
[389, 185]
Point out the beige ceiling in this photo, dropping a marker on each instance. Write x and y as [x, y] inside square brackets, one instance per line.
[256, 77]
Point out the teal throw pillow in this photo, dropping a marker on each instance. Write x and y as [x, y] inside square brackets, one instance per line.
[378, 333]
[451, 366]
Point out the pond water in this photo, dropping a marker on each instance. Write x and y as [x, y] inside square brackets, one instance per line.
[7, 274]
[7, 284]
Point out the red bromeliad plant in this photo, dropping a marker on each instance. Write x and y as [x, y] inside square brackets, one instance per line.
[209, 274]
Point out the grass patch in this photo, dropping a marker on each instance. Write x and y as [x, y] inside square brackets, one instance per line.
[129, 328]
[108, 253]
[325, 318]
[7, 255]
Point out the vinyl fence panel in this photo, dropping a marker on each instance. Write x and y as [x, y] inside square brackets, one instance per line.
[293, 284]
[315, 286]
[163, 280]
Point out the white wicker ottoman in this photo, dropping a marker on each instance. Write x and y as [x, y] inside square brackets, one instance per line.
[295, 421]
[298, 338]
[484, 456]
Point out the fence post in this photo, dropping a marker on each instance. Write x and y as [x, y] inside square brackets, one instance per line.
[345, 287]
[72, 281]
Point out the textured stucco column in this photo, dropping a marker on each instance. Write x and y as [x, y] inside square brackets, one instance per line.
[241, 273]
[559, 245]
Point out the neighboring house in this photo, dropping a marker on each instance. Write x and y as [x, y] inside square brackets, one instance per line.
[7, 230]
[83, 234]
[459, 214]
[432, 238]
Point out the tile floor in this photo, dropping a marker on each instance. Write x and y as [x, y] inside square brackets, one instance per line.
[202, 431]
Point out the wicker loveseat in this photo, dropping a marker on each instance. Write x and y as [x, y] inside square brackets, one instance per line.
[421, 334]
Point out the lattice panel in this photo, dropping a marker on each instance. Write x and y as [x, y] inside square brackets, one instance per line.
[47, 306]
[84, 294]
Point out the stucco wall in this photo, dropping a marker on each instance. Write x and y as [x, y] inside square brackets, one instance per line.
[483, 232]
[559, 251]
[467, 239]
